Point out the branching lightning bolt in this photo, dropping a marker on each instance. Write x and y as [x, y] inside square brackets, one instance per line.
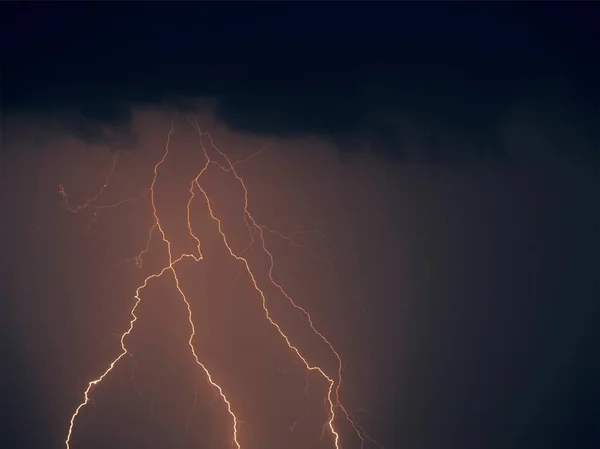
[332, 399]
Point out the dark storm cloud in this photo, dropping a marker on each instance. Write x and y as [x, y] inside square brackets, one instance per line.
[435, 82]
[105, 123]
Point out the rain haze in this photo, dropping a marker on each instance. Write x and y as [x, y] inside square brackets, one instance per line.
[420, 178]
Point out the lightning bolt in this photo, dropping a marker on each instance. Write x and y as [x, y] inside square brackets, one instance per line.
[332, 400]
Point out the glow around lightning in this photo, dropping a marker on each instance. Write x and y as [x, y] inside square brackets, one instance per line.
[332, 400]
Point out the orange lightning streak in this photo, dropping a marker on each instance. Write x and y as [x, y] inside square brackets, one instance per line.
[332, 399]
[169, 267]
[334, 387]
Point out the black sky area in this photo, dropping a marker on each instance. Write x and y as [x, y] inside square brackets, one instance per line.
[475, 125]
[346, 71]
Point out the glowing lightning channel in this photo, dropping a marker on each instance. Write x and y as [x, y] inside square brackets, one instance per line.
[172, 268]
[169, 267]
[124, 351]
[332, 399]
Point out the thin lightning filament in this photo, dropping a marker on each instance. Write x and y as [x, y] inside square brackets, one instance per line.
[332, 398]
[170, 267]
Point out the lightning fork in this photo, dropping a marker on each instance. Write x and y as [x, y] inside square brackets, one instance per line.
[332, 399]
[170, 267]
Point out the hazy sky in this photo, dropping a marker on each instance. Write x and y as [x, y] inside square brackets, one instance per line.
[443, 156]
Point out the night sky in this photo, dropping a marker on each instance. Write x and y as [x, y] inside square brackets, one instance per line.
[445, 157]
